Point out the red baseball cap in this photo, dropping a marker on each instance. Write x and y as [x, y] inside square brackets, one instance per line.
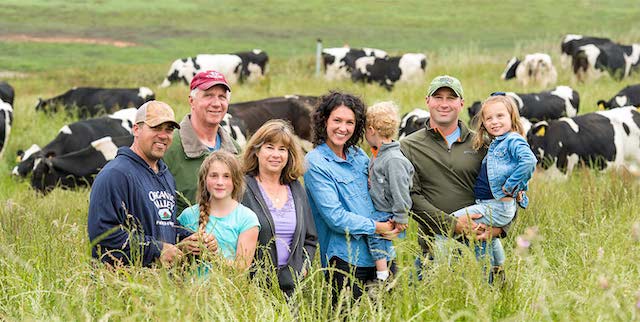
[207, 79]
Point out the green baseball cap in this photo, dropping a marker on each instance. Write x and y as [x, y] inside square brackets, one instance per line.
[445, 81]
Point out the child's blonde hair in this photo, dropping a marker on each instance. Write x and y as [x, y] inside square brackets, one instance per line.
[237, 177]
[383, 117]
[479, 139]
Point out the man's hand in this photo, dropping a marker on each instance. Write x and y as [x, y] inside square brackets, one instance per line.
[467, 225]
[484, 232]
[169, 254]
[401, 227]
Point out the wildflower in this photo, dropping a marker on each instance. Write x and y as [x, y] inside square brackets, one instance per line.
[603, 282]
[522, 242]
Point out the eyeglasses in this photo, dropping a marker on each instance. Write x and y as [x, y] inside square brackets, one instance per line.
[498, 94]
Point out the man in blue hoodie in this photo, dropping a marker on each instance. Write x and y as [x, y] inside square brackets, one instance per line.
[132, 216]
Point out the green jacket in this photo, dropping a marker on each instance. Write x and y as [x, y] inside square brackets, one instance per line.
[184, 157]
[444, 178]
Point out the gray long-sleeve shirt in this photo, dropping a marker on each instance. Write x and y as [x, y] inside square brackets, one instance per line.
[391, 177]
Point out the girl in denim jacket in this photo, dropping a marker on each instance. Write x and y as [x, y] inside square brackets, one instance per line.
[505, 170]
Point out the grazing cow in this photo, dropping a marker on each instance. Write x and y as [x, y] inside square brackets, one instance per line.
[76, 136]
[601, 139]
[628, 96]
[6, 93]
[548, 105]
[406, 68]
[534, 68]
[78, 168]
[340, 62]
[236, 67]
[571, 43]
[293, 108]
[618, 60]
[412, 122]
[92, 101]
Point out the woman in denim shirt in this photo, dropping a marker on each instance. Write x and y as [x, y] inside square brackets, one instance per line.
[505, 170]
[336, 183]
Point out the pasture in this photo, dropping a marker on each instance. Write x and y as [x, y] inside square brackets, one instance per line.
[583, 261]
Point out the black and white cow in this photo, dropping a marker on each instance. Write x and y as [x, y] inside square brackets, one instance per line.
[339, 62]
[77, 168]
[386, 72]
[601, 140]
[236, 67]
[236, 128]
[7, 93]
[6, 114]
[533, 68]
[547, 105]
[412, 122]
[618, 60]
[92, 101]
[571, 43]
[76, 136]
[628, 96]
[293, 108]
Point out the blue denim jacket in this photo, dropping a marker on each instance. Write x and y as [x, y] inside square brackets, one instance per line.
[510, 165]
[340, 203]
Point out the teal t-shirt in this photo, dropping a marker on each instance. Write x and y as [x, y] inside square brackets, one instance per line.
[226, 229]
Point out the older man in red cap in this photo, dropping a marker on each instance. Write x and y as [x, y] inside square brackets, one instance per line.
[200, 133]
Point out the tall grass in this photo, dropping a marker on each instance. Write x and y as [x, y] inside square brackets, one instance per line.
[582, 261]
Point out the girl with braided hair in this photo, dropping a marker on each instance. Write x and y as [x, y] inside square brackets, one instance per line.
[218, 212]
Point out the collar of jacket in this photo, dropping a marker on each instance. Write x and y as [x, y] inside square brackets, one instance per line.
[435, 132]
[501, 137]
[329, 155]
[193, 147]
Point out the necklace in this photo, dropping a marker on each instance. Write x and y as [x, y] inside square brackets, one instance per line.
[274, 192]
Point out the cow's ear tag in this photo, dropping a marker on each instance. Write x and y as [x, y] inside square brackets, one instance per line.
[540, 131]
[601, 106]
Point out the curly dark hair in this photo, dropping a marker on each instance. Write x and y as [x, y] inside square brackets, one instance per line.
[326, 105]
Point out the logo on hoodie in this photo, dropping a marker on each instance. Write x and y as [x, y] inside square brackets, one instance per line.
[164, 201]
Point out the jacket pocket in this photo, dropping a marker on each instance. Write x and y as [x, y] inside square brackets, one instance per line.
[348, 187]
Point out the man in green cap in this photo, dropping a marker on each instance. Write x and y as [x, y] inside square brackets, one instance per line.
[446, 167]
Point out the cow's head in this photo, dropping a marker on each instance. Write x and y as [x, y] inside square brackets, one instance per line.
[537, 139]
[181, 70]
[26, 160]
[412, 122]
[42, 105]
[510, 70]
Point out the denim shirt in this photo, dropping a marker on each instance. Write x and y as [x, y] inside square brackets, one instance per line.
[510, 165]
[340, 203]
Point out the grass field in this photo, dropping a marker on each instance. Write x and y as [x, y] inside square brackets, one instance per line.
[584, 258]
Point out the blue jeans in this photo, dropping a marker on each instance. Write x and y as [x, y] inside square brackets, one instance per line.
[380, 248]
[494, 213]
[444, 248]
